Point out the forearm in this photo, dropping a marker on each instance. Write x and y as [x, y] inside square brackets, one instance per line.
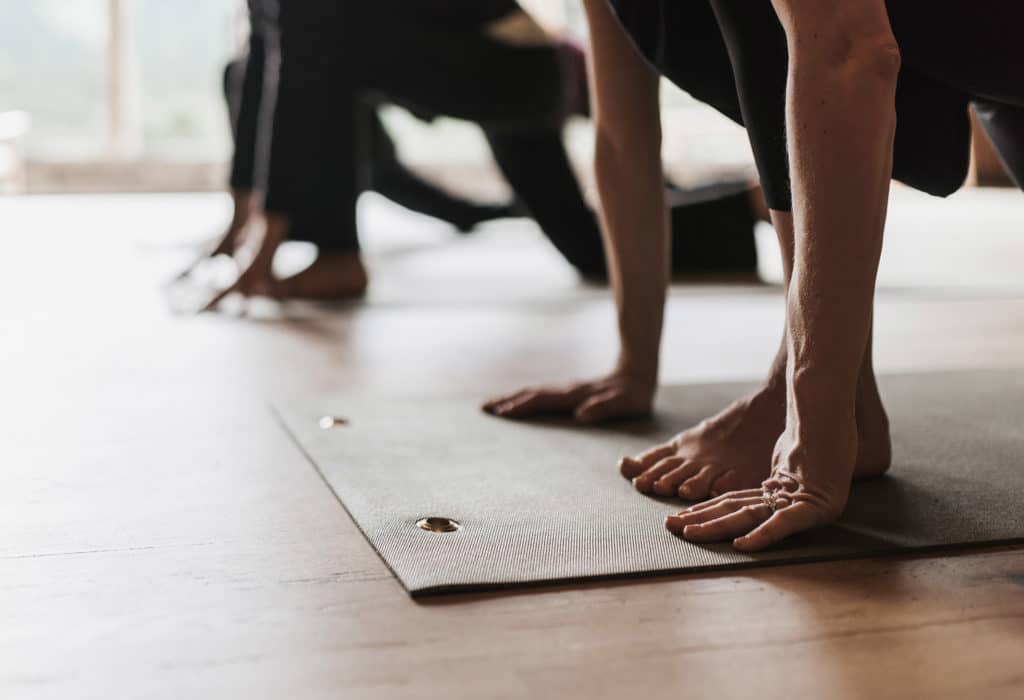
[635, 227]
[630, 182]
[841, 122]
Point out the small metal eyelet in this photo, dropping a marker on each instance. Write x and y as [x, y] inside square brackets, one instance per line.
[438, 524]
[328, 422]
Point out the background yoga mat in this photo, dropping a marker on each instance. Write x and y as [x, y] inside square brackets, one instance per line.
[543, 502]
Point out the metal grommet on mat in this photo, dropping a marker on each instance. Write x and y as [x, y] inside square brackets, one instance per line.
[438, 524]
[328, 422]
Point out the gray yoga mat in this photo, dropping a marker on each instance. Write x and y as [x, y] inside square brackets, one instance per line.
[543, 502]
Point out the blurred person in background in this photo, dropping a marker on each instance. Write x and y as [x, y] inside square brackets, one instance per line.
[482, 61]
[250, 90]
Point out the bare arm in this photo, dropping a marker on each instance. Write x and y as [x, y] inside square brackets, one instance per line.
[843, 69]
[634, 219]
[844, 64]
[630, 181]
[841, 121]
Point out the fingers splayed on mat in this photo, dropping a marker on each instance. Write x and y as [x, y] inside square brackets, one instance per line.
[755, 519]
[616, 396]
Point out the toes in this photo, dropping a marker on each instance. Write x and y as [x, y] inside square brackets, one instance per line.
[645, 482]
[727, 481]
[697, 486]
[655, 455]
[668, 484]
[632, 467]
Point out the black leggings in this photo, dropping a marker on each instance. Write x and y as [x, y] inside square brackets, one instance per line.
[250, 86]
[732, 55]
[334, 64]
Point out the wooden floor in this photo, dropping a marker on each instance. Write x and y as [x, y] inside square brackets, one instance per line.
[160, 537]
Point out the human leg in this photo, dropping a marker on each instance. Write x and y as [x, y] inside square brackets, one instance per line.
[389, 177]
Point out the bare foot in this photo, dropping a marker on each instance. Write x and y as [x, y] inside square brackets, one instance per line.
[729, 451]
[331, 277]
[733, 450]
[874, 443]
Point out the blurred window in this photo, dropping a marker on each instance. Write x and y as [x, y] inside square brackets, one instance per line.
[53, 65]
[118, 79]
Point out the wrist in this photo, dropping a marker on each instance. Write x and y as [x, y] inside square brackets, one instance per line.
[818, 402]
[642, 370]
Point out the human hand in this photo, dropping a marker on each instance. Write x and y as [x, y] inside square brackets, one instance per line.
[803, 492]
[258, 279]
[618, 395]
[245, 214]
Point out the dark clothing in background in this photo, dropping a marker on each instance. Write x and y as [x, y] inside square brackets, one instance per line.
[455, 14]
[339, 62]
[732, 55]
[336, 61]
[250, 86]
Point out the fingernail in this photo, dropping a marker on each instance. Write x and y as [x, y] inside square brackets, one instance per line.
[684, 490]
